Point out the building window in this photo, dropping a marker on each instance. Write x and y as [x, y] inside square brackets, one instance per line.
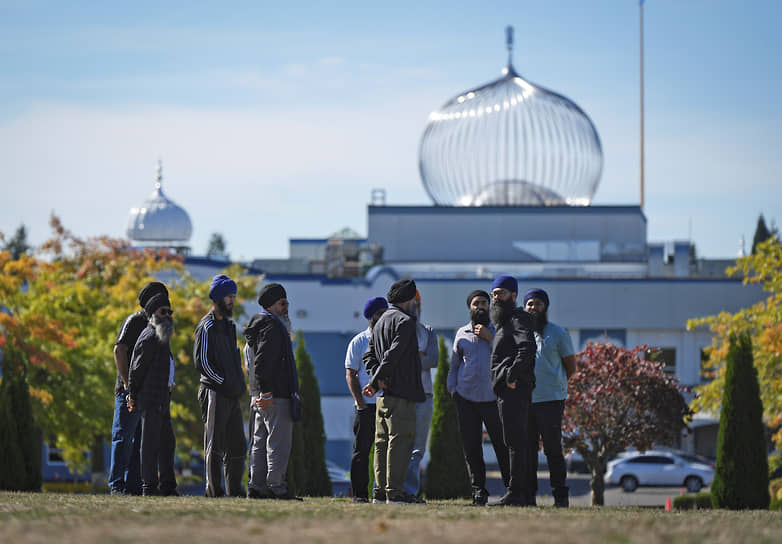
[667, 356]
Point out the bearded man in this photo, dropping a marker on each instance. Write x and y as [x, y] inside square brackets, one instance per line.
[513, 379]
[554, 364]
[150, 380]
[216, 356]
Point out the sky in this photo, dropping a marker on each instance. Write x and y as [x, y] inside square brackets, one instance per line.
[276, 120]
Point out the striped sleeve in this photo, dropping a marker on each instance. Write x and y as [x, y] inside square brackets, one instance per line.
[202, 354]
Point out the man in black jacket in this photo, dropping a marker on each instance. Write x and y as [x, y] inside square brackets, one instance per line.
[216, 355]
[394, 366]
[150, 380]
[513, 379]
[274, 395]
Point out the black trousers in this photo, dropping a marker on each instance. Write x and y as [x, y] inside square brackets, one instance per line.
[157, 449]
[514, 406]
[545, 423]
[225, 445]
[473, 416]
[363, 438]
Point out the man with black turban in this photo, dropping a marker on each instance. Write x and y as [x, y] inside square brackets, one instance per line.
[216, 355]
[125, 475]
[274, 395]
[394, 365]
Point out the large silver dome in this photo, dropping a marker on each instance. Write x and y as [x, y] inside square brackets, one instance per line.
[159, 221]
[510, 143]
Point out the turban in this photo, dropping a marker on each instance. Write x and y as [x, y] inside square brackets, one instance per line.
[539, 294]
[271, 293]
[156, 302]
[151, 289]
[373, 305]
[401, 291]
[222, 286]
[477, 293]
[505, 282]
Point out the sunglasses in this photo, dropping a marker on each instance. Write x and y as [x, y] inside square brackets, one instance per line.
[166, 313]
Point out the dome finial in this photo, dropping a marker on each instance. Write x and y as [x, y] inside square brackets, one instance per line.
[509, 44]
[159, 174]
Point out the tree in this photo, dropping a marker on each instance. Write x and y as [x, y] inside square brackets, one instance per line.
[763, 323]
[307, 472]
[12, 462]
[17, 244]
[63, 313]
[217, 246]
[617, 399]
[741, 475]
[446, 473]
[761, 233]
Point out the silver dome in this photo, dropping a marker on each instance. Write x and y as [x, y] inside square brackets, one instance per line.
[159, 221]
[510, 143]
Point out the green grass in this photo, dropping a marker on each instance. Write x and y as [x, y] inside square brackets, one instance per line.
[58, 518]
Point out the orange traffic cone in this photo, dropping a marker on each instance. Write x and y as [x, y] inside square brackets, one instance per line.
[668, 505]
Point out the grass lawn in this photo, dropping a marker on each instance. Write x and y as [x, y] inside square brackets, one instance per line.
[63, 518]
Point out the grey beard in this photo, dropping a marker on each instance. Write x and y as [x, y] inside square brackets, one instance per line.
[164, 328]
[286, 321]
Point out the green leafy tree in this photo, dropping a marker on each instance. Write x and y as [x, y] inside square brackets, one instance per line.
[17, 244]
[741, 475]
[307, 472]
[616, 399]
[763, 323]
[446, 473]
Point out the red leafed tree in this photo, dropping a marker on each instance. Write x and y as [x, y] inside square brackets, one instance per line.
[617, 399]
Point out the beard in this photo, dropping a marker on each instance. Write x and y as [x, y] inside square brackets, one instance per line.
[500, 311]
[164, 327]
[539, 320]
[286, 321]
[224, 309]
[479, 317]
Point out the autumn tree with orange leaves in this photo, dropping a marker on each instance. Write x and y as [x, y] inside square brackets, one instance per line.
[619, 398]
[62, 309]
[762, 322]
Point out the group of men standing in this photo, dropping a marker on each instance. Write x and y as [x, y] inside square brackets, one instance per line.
[142, 435]
[508, 373]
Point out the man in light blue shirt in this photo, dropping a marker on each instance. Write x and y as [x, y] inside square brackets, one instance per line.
[469, 382]
[555, 362]
[364, 417]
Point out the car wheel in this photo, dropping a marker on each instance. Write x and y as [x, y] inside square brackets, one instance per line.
[693, 484]
[628, 483]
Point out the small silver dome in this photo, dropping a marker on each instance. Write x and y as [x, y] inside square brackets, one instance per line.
[159, 221]
[510, 143]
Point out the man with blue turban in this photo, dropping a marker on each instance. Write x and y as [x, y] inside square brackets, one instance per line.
[216, 356]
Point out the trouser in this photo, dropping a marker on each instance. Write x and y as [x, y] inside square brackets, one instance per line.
[157, 449]
[423, 419]
[125, 472]
[225, 444]
[363, 437]
[272, 438]
[472, 417]
[394, 437]
[545, 423]
[513, 406]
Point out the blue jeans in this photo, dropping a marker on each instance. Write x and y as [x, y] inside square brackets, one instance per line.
[423, 419]
[125, 473]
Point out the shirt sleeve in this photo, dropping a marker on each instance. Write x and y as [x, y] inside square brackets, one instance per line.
[352, 356]
[456, 361]
[130, 330]
[565, 344]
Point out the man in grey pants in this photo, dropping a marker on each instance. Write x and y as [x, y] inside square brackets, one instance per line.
[274, 394]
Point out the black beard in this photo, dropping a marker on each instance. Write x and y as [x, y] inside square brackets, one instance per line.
[539, 320]
[479, 317]
[223, 308]
[164, 327]
[500, 311]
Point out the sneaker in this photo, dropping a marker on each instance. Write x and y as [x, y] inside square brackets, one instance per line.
[509, 499]
[361, 500]
[378, 496]
[405, 498]
[253, 493]
[287, 496]
[480, 497]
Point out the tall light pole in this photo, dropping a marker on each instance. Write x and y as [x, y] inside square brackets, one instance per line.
[641, 21]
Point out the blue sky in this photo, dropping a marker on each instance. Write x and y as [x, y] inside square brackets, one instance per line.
[276, 120]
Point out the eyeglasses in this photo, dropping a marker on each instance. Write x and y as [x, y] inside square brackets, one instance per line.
[166, 312]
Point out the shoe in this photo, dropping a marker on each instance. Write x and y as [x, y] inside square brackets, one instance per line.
[405, 498]
[378, 496]
[116, 492]
[509, 499]
[150, 493]
[480, 497]
[253, 493]
[287, 496]
[360, 500]
[170, 493]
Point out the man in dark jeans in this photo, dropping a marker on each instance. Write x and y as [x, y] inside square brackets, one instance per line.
[125, 472]
[555, 362]
[469, 381]
[513, 379]
[394, 366]
[149, 390]
[364, 418]
[216, 356]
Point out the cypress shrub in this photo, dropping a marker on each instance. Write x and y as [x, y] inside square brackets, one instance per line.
[741, 475]
[446, 474]
[12, 477]
[307, 472]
